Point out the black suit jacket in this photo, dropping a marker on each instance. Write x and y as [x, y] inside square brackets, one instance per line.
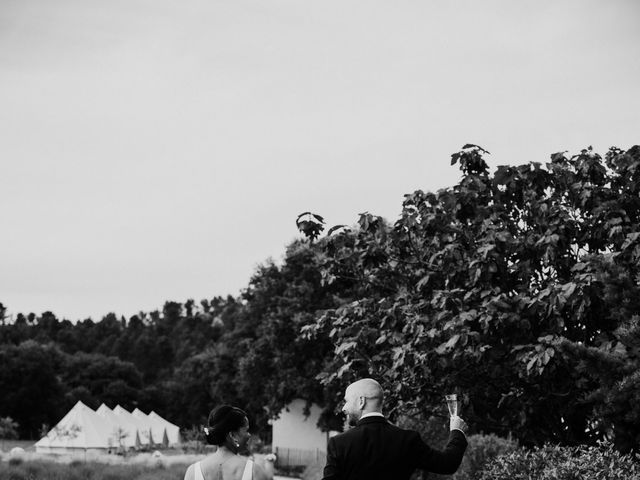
[375, 449]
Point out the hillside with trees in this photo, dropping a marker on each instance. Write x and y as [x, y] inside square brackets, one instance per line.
[519, 289]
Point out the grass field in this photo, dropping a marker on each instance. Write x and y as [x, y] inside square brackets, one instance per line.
[171, 465]
[78, 470]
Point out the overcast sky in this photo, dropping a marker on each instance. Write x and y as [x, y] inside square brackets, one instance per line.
[156, 150]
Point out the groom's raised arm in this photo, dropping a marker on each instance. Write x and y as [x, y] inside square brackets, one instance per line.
[445, 461]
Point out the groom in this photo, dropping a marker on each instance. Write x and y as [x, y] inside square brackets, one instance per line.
[376, 449]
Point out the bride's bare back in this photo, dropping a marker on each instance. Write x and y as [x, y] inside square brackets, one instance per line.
[231, 468]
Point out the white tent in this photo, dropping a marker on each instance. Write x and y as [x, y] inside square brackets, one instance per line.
[173, 431]
[125, 434]
[81, 429]
[144, 429]
[158, 429]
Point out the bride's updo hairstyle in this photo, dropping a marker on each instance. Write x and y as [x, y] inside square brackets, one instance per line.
[222, 420]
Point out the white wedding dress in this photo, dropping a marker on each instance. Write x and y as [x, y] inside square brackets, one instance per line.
[246, 475]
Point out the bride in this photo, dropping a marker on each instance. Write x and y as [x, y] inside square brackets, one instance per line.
[228, 428]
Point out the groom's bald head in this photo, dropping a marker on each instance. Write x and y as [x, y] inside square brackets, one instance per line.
[362, 397]
[368, 388]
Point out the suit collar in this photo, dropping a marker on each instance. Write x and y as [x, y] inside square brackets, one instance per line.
[372, 414]
[372, 419]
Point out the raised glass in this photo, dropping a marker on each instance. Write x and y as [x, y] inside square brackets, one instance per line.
[452, 404]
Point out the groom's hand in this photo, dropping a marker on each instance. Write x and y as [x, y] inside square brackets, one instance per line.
[456, 423]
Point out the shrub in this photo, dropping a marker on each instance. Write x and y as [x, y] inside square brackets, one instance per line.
[482, 449]
[14, 461]
[553, 462]
[289, 470]
[312, 472]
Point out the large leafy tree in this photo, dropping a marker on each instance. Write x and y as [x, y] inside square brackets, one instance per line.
[518, 289]
[261, 362]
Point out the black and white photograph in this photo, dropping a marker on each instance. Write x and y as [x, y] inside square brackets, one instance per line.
[319, 240]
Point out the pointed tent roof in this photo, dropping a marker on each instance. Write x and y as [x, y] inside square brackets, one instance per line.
[144, 429]
[173, 431]
[158, 428]
[81, 427]
[122, 430]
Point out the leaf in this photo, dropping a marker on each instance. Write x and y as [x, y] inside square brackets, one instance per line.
[334, 228]
[423, 281]
[441, 349]
[568, 289]
[453, 340]
[343, 347]
[303, 214]
[310, 228]
[559, 157]
[471, 145]
[630, 239]
[343, 369]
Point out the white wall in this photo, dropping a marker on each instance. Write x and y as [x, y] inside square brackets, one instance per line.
[293, 430]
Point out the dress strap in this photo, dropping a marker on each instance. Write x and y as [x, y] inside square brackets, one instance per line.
[248, 470]
[197, 471]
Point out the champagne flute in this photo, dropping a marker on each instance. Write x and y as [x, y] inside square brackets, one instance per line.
[452, 404]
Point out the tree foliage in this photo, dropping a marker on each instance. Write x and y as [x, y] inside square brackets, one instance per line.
[518, 289]
[32, 394]
[8, 428]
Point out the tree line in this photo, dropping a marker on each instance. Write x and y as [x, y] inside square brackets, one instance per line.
[180, 361]
[518, 289]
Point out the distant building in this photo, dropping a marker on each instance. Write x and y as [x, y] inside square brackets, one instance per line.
[297, 439]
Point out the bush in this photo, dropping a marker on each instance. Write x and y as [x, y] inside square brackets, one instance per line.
[482, 449]
[563, 463]
[289, 470]
[312, 472]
